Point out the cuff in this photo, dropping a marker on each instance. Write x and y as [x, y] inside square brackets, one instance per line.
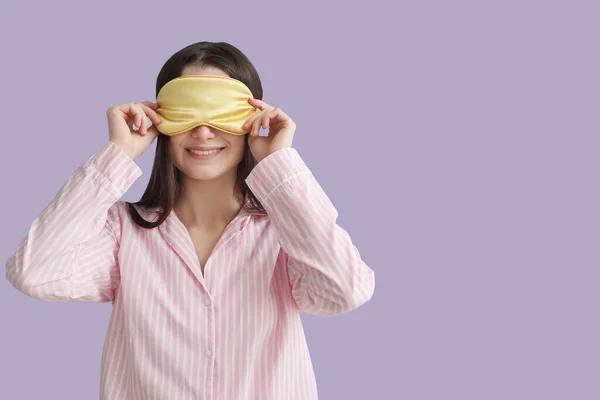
[273, 170]
[116, 166]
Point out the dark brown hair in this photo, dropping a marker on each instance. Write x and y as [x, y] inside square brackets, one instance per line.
[164, 186]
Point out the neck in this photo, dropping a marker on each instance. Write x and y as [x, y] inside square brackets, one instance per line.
[208, 204]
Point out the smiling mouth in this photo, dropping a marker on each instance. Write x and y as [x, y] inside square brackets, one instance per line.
[205, 151]
[204, 154]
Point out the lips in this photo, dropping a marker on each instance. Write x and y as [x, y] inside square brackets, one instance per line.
[205, 156]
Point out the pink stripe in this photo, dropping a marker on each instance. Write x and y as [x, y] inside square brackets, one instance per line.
[84, 247]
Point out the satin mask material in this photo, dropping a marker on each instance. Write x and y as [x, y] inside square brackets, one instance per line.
[192, 100]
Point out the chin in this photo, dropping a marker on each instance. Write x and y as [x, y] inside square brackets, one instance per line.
[206, 174]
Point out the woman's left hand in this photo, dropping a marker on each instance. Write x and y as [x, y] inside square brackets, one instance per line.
[281, 130]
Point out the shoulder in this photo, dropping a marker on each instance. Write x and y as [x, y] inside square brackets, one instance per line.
[119, 214]
[118, 210]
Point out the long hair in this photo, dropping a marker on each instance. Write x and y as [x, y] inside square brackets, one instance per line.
[164, 186]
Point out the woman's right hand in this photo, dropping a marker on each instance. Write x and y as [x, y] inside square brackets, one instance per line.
[120, 130]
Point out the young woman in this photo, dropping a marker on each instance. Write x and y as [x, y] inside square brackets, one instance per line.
[209, 271]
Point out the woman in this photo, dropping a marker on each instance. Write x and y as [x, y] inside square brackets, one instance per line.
[209, 271]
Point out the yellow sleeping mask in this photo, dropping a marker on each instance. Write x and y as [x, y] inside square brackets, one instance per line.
[192, 100]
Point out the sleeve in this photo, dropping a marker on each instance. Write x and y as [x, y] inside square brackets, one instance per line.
[326, 272]
[70, 251]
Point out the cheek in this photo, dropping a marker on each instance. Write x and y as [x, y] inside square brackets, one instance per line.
[174, 150]
[172, 154]
[239, 146]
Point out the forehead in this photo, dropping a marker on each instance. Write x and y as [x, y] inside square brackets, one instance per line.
[204, 70]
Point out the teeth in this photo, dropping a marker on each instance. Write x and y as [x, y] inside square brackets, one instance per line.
[204, 152]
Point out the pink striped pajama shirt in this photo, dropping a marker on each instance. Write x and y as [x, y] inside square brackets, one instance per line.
[234, 332]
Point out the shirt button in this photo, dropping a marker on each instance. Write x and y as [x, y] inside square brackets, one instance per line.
[207, 301]
[208, 353]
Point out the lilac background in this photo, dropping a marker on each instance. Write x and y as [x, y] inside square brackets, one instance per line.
[458, 141]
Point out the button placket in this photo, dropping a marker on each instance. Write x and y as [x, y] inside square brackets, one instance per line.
[209, 350]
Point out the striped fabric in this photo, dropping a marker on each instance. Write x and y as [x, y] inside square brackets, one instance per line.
[231, 333]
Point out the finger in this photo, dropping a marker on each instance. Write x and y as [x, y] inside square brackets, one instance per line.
[127, 113]
[247, 123]
[256, 127]
[266, 120]
[139, 118]
[144, 119]
[281, 113]
[250, 121]
[128, 119]
[150, 104]
[268, 116]
[263, 122]
[138, 115]
[132, 110]
[151, 114]
[253, 128]
[260, 104]
[280, 117]
[144, 127]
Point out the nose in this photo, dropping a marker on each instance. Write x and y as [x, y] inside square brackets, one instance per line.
[202, 132]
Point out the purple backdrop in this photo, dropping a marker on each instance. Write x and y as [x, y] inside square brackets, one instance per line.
[458, 141]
